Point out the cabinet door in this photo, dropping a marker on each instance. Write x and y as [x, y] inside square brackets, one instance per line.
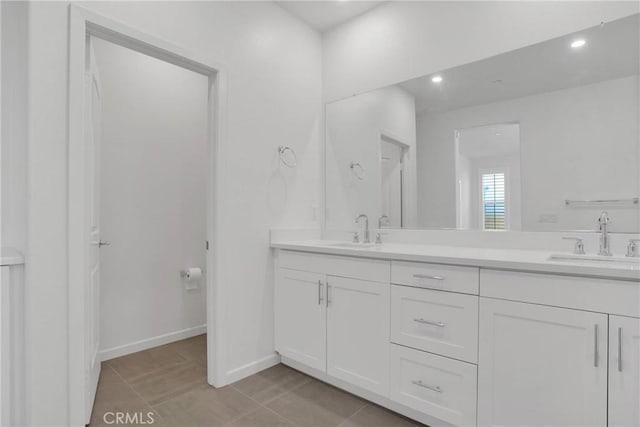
[300, 317]
[541, 366]
[358, 333]
[624, 371]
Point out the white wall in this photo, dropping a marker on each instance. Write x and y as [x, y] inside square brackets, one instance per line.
[354, 129]
[401, 40]
[579, 143]
[14, 124]
[273, 63]
[153, 195]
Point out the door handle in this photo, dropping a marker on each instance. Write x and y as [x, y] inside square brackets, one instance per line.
[619, 349]
[320, 292]
[101, 243]
[595, 345]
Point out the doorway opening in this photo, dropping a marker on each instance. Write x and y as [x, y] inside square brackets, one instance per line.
[156, 197]
[488, 186]
[393, 184]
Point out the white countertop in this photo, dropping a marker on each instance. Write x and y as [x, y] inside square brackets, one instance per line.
[511, 259]
[10, 256]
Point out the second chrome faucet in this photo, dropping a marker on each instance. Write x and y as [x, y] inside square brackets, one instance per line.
[367, 236]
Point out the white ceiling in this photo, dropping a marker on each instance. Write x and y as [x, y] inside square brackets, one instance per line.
[323, 15]
[612, 51]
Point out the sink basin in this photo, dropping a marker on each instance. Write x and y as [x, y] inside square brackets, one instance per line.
[352, 245]
[619, 262]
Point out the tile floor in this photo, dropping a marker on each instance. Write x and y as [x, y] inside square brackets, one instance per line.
[170, 382]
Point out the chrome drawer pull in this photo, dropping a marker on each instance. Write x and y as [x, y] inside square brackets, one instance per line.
[619, 349]
[428, 276]
[419, 383]
[428, 322]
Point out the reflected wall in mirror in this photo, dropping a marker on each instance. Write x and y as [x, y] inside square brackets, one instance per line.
[498, 144]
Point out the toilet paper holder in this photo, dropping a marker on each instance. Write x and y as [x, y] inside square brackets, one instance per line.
[186, 274]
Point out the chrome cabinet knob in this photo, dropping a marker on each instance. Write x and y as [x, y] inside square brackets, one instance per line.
[578, 248]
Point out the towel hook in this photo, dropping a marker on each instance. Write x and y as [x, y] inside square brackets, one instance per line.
[357, 170]
[282, 152]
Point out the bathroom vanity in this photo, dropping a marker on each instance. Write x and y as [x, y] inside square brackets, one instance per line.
[464, 336]
[451, 333]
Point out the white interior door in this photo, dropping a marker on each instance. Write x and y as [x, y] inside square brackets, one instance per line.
[92, 179]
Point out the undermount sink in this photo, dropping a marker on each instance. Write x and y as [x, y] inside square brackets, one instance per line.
[353, 245]
[621, 262]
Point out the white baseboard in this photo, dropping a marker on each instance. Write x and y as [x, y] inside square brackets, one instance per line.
[251, 368]
[123, 350]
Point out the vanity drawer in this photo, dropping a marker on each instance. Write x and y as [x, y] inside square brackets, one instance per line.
[445, 323]
[581, 293]
[443, 388]
[373, 270]
[436, 276]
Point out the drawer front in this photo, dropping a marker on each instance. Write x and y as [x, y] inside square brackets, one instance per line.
[581, 293]
[373, 270]
[438, 322]
[440, 387]
[436, 276]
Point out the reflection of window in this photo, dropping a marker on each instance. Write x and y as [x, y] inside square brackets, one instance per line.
[493, 201]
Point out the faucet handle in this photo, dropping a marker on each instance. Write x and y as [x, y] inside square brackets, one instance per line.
[578, 248]
[632, 248]
[356, 237]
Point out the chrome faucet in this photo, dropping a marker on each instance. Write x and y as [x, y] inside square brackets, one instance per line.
[605, 240]
[366, 238]
[382, 220]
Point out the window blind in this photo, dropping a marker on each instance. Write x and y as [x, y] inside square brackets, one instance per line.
[493, 203]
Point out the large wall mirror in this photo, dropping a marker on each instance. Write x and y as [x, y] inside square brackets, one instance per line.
[542, 138]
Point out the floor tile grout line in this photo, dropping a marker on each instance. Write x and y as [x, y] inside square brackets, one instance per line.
[192, 383]
[135, 392]
[155, 371]
[353, 415]
[264, 406]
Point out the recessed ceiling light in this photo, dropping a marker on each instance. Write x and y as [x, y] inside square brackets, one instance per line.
[578, 43]
[436, 79]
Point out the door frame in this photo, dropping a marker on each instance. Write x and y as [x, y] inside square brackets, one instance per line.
[82, 23]
[406, 184]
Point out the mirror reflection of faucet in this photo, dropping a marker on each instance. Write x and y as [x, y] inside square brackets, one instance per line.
[366, 237]
[605, 240]
[382, 220]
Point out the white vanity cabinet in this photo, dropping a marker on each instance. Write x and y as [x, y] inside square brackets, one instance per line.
[333, 316]
[551, 348]
[624, 371]
[300, 317]
[358, 332]
[541, 366]
[464, 345]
